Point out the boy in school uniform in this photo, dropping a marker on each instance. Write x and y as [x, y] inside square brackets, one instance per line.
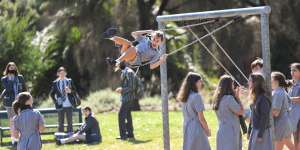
[88, 132]
[145, 49]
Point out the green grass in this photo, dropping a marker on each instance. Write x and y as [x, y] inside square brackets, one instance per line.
[147, 129]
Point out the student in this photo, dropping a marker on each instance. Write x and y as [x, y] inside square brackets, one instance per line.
[127, 96]
[280, 104]
[88, 132]
[61, 91]
[144, 49]
[28, 123]
[13, 83]
[257, 65]
[295, 106]
[228, 110]
[196, 131]
[261, 134]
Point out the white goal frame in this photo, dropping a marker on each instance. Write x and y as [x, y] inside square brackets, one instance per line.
[264, 13]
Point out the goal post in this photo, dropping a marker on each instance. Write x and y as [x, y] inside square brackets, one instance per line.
[263, 11]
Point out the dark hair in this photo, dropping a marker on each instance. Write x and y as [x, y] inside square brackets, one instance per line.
[61, 68]
[6, 71]
[188, 85]
[225, 87]
[295, 66]
[87, 109]
[258, 85]
[20, 102]
[122, 65]
[257, 62]
[159, 34]
[280, 78]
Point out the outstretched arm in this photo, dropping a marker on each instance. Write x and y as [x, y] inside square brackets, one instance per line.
[161, 60]
[139, 33]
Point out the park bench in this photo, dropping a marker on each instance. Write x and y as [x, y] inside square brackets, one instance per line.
[51, 121]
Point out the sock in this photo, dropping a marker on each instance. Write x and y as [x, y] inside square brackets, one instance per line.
[14, 140]
[62, 141]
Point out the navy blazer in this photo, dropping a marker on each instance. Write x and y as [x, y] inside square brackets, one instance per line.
[8, 93]
[261, 110]
[91, 129]
[56, 93]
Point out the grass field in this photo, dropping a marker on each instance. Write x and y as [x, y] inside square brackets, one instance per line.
[147, 129]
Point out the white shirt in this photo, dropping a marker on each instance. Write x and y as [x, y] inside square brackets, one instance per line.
[62, 86]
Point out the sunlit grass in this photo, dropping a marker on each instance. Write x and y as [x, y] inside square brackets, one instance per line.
[147, 129]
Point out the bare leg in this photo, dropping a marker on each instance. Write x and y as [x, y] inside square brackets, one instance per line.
[73, 138]
[123, 42]
[288, 143]
[296, 140]
[127, 56]
[297, 143]
[278, 145]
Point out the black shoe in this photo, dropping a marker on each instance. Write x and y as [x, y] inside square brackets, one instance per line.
[121, 138]
[111, 61]
[15, 144]
[58, 142]
[130, 136]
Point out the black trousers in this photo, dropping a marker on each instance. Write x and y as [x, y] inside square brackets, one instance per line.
[61, 118]
[125, 121]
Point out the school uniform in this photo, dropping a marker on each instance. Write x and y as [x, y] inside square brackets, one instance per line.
[127, 96]
[145, 52]
[88, 132]
[194, 137]
[261, 127]
[27, 123]
[12, 86]
[295, 107]
[282, 124]
[64, 102]
[228, 135]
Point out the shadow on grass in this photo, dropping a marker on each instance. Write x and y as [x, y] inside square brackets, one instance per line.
[8, 146]
[135, 141]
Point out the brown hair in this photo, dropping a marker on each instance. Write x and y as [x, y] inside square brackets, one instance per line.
[61, 68]
[295, 66]
[87, 109]
[280, 78]
[225, 87]
[188, 85]
[20, 102]
[159, 34]
[258, 85]
[257, 62]
[6, 71]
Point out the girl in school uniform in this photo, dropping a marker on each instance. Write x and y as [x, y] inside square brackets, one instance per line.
[28, 123]
[294, 94]
[280, 104]
[228, 110]
[195, 128]
[261, 134]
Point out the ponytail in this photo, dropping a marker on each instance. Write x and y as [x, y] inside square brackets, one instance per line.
[281, 79]
[20, 102]
[16, 106]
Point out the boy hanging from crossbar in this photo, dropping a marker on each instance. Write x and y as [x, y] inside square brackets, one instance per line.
[145, 49]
